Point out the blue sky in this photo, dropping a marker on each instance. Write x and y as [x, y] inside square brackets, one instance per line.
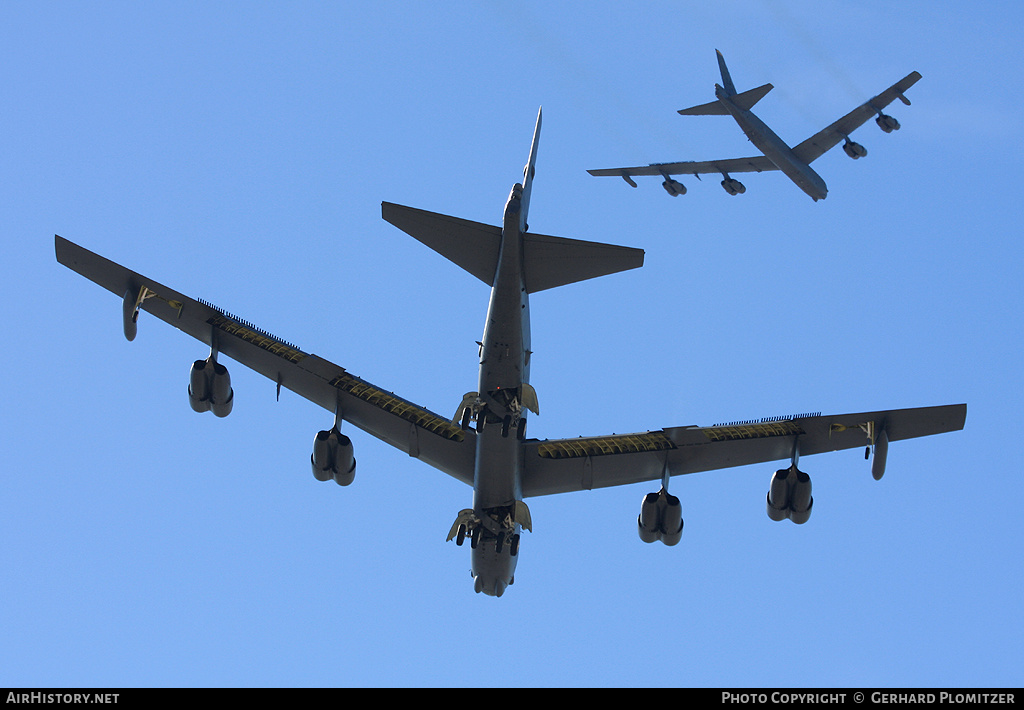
[239, 152]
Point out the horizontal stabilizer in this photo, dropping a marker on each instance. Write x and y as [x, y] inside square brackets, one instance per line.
[555, 261]
[547, 261]
[745, 101]
[472, 245]
[715, 108]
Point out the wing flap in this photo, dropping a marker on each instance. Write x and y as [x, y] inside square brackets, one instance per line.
[581, 464]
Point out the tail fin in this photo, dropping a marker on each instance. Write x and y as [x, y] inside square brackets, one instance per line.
[530, 169]
[745, 101]
[556, 261]
[547, 261]
[727, 84]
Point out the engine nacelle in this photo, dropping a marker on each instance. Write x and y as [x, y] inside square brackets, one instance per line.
[674, 187]
[648, 520]
[671, 520]
[333, 458]
[733, 187]
[800, 500]
[789, 496]
[854, 150]
[778, 496]
[661, 518]
[887, 123]
[209, 388]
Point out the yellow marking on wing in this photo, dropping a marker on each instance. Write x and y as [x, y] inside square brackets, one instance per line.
[753, 431]
[605, 445]
[258, 339]
[398, 406]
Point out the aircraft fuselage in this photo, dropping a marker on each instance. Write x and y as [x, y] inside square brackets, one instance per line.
[504, 370]
[774, 148]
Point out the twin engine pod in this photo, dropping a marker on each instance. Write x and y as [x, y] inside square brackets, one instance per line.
[661, 518]
[333, 458]
[209, 387]
[854, 150]
[733, 186]
[673, 187]
[790, 496]
[887, 123]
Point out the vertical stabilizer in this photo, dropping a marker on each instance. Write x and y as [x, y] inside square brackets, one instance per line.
[716, 107]
[528, 172]
[727, 84]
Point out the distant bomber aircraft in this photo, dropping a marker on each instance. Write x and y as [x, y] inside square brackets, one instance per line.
[485, 444]
[795, 162]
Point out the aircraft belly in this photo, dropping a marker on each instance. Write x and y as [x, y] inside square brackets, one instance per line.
[493, 571]
[502, 371]
[506, 332]
[498, 474]
[497, 485]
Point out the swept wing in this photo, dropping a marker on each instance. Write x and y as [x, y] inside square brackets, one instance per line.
[756, 164]
[824, 140]
[549, 466]
[563, 465]
[398, 422]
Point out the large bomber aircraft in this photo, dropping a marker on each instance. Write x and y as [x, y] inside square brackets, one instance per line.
[485, 445]
[794, 162]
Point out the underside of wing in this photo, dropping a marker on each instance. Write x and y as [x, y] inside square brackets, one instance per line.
[756, 164]
[827, 138]
[406, 426]
[563, 465]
